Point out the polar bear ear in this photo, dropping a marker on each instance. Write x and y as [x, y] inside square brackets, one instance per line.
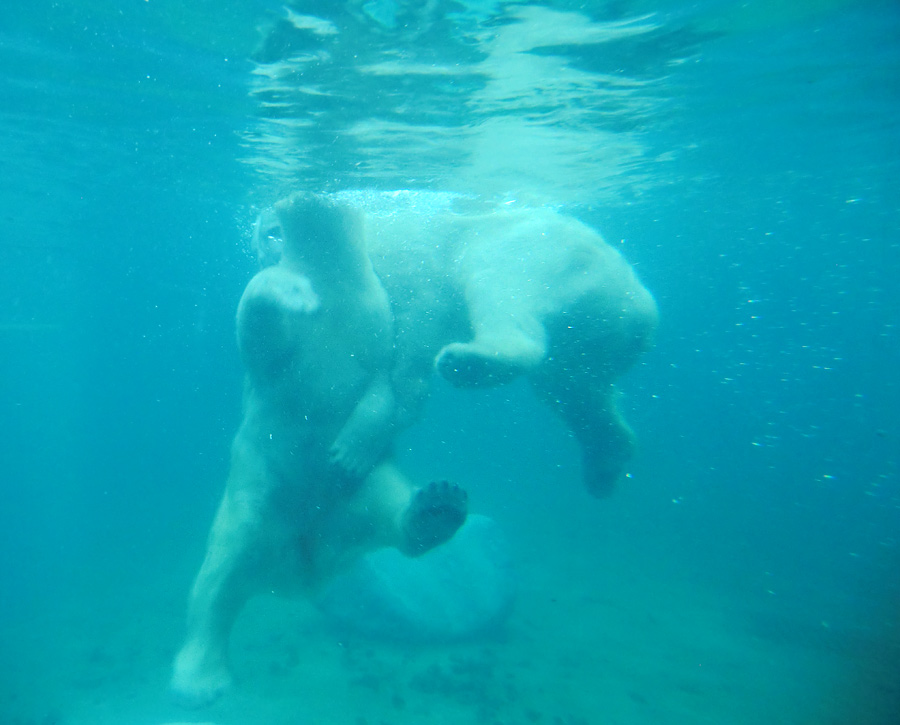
[268, 239]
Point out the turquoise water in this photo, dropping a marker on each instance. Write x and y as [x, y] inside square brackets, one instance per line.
[743, 156]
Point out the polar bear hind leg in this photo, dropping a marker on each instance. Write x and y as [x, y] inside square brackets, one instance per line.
[506, 344]
[436, 511]
[226, 580]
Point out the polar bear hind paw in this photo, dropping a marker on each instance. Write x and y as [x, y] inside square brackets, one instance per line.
[434, 515]
[464, 366]
[194, 685]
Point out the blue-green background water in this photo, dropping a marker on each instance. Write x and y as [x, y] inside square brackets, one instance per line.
[747, 156]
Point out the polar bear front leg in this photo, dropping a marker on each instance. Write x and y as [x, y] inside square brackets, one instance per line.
[267, 319]
[607, 445]
[365, 436]
[587, 403]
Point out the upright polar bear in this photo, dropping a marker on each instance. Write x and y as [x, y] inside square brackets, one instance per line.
[310, 485]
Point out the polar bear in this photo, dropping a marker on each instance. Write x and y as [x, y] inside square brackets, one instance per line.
[311, 484]
[486, 297]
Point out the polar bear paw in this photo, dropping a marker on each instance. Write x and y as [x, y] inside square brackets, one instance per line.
[433, 516]
[283, 290]
[367, 433]
[196, 683]
[465, 366]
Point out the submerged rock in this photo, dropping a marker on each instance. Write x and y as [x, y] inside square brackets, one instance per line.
[463, 588]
